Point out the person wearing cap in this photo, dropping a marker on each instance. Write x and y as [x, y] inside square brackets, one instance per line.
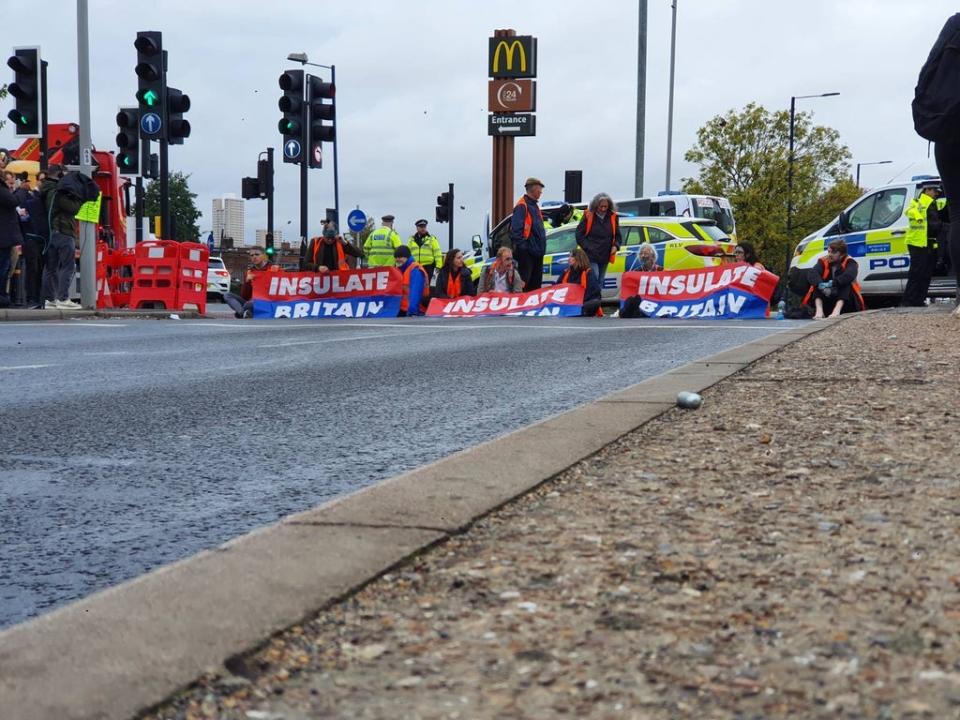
[528, 236]
[381, 243]
[415, 283]
[425, 249]
[924, 224]
[330, 251]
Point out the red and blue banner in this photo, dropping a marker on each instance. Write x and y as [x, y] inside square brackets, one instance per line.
[557, 300]
[725, 292]
[366, 293]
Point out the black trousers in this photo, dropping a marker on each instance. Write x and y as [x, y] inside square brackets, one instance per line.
[918, 277]
[948, 165]
[33, 268]
[530, 268]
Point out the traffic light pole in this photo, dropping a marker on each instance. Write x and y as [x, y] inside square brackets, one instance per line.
[88, 239]
[164, 164]
[138, 208]
[270, 191]
[43, 115]
[336, 176]
[451, 217]
[305, 150]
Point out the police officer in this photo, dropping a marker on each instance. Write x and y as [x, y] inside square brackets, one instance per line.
[381, 243]
[924, 224]
[425, 249]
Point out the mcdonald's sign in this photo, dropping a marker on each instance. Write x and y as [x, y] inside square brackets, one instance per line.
[513, 57]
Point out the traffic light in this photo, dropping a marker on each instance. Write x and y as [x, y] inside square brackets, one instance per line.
[294, 111]
[264, 184]
[150, 83]
[320, 110]
[128, 141]
[177, 127]
[443, 207]
[25, 88]
[268, 243]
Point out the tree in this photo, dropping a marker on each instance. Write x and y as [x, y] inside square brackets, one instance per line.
[183, 209]
[3, 94]
[743, 156]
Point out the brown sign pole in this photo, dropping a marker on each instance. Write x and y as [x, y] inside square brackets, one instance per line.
[512, 62]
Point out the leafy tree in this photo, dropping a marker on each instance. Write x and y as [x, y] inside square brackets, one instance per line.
[743, 156]
[183, 209]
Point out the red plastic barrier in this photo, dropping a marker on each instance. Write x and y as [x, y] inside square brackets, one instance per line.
[104, 272]
[192, 276]
[156, 264]
[121, 279]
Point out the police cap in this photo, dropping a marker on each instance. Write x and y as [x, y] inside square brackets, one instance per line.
[387, 218]
[421, 223]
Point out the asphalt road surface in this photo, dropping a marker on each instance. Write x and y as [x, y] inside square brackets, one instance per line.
[128, 444]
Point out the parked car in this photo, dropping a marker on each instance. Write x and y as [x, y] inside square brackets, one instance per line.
[218, 278]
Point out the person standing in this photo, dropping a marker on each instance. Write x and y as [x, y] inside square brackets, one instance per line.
[330, 251]
[35, 234]
[921, 210]
[381, 244]
[425, 249]
[61, 264]
[453, 279]
[599, 235]
[10, 235]
[581, 273]
[528, 236]
[416, 285]
[501, 275]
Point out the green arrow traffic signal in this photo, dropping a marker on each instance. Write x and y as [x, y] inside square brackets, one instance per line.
[151, 98]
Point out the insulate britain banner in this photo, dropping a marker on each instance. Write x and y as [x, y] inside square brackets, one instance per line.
[557, 300]
[371, 292]
[727, 291]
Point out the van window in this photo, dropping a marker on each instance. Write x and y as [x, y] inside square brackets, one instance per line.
[564, 240]
[663, 208]
[888, 207]
[631, 236]
[658, 235]
[860, 214]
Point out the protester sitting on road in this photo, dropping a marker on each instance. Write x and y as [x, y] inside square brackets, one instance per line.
[416, 284]
[833, 283]
[501, 276]
[581, 273]
[242, 304]
[744, 252]
[454, 279]
[329, 252]
[647, 259]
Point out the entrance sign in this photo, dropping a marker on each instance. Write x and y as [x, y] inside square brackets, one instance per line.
[514, 124]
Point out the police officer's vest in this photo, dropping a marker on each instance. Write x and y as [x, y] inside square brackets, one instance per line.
[917, 217]
[428, 253]
[380, 246]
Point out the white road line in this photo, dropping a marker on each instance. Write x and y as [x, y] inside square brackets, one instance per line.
[25, 367]
[351, 337]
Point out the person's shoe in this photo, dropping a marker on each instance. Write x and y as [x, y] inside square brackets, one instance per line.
[68, 304]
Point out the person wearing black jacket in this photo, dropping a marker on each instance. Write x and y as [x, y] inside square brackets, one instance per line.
[833, 283]
[453, 278]
[35, 233]
[10, 235]
[61, 264]
[581, 273]
[599, 233]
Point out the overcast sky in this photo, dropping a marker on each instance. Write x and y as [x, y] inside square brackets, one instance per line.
[412, 88]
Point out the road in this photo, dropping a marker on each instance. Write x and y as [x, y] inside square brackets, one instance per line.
[128, 444]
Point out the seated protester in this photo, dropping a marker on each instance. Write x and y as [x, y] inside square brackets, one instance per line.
[453, 279]
[242, 304]
[330, 251]
[416, 284]
[580, 273]
[502, 275]
[833, 283]
[647, 259]
[744, 252]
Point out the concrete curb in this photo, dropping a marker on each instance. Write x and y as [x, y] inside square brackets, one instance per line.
[22, 314]
[125, 649]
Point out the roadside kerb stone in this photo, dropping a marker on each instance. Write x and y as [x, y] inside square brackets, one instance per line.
[125, 649]
[25, 314]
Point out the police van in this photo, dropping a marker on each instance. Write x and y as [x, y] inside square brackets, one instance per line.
[875, 229]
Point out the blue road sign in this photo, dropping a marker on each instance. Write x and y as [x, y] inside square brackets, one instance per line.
[150, 123]
[291, 149]
[356, 220]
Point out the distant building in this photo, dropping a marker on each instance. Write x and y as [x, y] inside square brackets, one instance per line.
[262, 237]
[228, 219]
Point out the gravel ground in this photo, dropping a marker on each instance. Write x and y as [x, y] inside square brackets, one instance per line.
[790, 550]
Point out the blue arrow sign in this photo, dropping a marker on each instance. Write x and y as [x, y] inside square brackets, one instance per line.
[150, 123]
[356, 220]
[291, 149]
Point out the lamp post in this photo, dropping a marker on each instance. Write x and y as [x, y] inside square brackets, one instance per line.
[793, 107]
[878, 162]
[673, 58]
[301, 57]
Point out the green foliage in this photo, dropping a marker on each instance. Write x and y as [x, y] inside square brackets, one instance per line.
[3, 94]
[743, 156]
[183, 209]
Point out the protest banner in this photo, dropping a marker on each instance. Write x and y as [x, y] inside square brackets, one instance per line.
[557, 300]
[726, 291]
[366, 293]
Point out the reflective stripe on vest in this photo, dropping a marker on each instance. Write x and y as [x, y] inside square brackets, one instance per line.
[381, 247]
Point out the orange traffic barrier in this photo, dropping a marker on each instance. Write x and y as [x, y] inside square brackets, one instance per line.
[156, 264]
[104, 272]
[192, 276]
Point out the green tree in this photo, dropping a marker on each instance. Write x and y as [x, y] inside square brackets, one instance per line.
[743, 156]
[183, 209]
[3, 94]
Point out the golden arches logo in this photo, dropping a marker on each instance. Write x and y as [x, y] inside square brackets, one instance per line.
[509, 50]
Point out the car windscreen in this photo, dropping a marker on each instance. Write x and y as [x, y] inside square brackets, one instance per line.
[711, 230]
[216, 263]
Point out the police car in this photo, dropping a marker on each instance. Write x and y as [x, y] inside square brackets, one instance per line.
[681, 243]
[874, 229]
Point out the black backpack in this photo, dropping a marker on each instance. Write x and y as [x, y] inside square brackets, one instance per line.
[936, 100]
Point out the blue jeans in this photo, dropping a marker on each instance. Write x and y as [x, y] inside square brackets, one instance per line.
[601, 270]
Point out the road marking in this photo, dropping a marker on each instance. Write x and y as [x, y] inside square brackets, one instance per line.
[73, 323]
[351, 337]
[24, 367]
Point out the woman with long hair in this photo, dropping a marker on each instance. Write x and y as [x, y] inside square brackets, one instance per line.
[453, 279]
[580, 273]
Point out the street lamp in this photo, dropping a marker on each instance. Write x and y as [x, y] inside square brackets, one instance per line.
[878, 162]
[301, 57]
[793, 107]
